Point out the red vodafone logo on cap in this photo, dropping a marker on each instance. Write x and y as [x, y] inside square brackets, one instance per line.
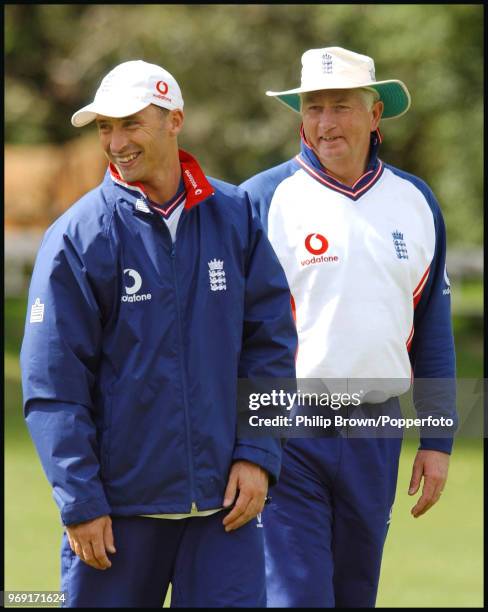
[320, 244]
[162, 87]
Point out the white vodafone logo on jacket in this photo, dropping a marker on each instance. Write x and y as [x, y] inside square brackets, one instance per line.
[132, 291]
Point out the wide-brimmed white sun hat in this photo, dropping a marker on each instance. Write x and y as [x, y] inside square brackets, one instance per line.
[129, 88]
[337, 68]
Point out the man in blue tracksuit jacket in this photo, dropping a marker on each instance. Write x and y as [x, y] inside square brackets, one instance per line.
[150, 297]
[363, 248]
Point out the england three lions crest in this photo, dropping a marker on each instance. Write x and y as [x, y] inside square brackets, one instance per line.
[216, 274]
[400, 245]
[327, 63]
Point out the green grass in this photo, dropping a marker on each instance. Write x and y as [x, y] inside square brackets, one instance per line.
[32, 524]
[433, 561]
[437, 559]
[14, 313]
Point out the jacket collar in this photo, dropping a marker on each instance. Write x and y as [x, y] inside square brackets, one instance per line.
[196, 185]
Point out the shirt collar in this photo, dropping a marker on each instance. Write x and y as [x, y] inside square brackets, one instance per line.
[312, 165]
[167, 208]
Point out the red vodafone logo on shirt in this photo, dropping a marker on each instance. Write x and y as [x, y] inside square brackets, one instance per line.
[319, 244]
[162, 87]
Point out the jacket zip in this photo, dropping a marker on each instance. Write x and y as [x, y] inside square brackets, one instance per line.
[193, 507]
[183, 376]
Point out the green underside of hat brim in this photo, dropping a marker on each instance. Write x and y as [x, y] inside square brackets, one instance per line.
[394, 97]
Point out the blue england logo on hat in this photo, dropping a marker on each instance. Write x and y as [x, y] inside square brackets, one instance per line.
[327, 63]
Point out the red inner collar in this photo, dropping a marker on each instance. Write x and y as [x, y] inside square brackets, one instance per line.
[196, 184]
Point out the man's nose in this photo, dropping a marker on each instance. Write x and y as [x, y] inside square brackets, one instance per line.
[118, 141]
[327, 119]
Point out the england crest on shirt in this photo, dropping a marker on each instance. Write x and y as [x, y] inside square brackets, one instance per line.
[400, 245]
[216, 275]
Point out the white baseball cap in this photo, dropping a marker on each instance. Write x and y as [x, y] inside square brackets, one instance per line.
[129, 88]
[338, 68]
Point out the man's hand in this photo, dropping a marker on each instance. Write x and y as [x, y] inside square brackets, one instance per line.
[433, 466]
[252, 483]
[92, 540]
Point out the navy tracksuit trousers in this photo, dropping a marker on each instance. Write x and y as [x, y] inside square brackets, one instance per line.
[207, 566]
[326, 525]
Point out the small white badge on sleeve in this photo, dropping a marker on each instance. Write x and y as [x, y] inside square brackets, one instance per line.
[37, 312]
[447, 289]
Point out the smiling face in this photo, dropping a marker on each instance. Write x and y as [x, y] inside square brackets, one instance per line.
[142, 144]
[337, 125]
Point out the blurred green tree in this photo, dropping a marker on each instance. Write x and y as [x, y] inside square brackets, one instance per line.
[226, 56]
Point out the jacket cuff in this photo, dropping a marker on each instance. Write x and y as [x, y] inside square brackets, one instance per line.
[84, 511]
[438, 444]
[268, 461]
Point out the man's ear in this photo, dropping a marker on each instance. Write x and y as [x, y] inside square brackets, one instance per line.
[377, 111]
[176, 119]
